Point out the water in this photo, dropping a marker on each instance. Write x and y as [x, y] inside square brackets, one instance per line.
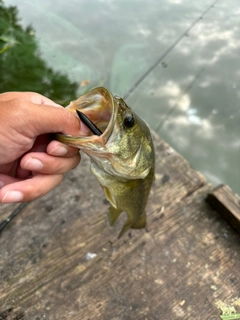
[190, 97]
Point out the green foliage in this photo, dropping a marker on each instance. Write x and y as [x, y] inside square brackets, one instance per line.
[21, 65]
[231, 317]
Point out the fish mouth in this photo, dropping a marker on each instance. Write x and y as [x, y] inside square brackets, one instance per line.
[101, 108]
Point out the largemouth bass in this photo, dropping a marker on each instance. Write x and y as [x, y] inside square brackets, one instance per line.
[122, 157]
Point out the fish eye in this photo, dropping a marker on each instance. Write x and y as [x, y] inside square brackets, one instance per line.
[128, 121]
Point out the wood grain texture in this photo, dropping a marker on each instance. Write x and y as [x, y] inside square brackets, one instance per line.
[60, 260]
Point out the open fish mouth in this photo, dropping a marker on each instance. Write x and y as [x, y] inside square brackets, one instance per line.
[101, 108]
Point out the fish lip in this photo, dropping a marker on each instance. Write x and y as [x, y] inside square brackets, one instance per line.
[111, 103]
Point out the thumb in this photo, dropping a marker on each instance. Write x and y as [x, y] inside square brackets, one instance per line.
[50, 119]
[54, 118]
[32, 114]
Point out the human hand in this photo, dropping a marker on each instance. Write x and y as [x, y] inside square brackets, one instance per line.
[31, 163]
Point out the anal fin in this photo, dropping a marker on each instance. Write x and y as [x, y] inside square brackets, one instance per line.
[125, 228]
[113, 215]
[138, 224]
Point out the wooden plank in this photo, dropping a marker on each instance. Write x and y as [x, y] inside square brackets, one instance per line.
[60, 260]
[227, 204]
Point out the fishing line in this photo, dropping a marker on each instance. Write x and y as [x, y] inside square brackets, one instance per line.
[5, 222]
[173, 108]
[175, 43]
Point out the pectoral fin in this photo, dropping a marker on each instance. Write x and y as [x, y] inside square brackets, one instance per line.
[109, 197]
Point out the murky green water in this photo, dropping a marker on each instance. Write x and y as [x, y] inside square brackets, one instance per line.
[191, 97]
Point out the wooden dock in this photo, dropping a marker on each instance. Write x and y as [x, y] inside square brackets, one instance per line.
[59, 260]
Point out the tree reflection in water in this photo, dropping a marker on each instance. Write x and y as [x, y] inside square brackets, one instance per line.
[21, 65]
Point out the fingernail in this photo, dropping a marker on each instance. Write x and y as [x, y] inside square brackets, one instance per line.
[59, 150]
[12, 196]
[1, 184]
[33, 164]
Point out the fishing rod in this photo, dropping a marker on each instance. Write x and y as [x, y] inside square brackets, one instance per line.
[174, 44]
[5, 222]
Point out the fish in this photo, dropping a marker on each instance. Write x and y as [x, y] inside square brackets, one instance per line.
[122, 155]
